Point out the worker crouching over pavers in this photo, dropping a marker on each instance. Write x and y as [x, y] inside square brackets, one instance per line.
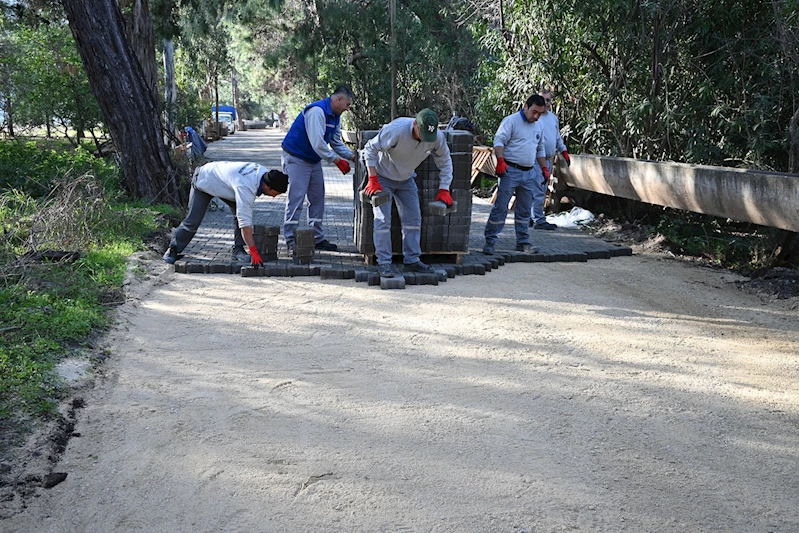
[237, 184]
[391, 159]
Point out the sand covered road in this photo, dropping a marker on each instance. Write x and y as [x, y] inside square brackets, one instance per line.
[632, 394]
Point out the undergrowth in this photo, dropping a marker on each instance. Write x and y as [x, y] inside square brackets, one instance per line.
[65, 237]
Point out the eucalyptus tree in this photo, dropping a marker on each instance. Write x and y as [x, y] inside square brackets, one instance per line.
[705, 82]
[316, 44]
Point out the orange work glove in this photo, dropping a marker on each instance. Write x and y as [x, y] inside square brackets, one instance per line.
[343, 166]
[502, 166]
[256, 257]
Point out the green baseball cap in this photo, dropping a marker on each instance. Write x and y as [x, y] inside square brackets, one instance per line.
[428, 125]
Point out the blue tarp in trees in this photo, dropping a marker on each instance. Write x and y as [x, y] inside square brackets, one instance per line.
[198, 145]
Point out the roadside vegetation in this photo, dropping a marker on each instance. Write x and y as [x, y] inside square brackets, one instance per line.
[66, 233]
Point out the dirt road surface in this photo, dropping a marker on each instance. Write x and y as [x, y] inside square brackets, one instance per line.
[632, 394]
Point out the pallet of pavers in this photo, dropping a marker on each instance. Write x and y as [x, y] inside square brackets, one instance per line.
[445, 230]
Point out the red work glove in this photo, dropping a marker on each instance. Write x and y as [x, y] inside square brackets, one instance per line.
[502, 166]
[545, 171]
[444, 196]
[568, 159]
[343, 166]
[373, 186]
[256, 257]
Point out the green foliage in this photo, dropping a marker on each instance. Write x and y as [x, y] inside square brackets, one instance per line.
[313, 50]
[49, 309]
[27, 167]
[699, 82]
[45, 84]
[721, 242]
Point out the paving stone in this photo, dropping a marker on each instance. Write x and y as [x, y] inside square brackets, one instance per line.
[397, 282]
[333, 273]
[451, 270]
[220, 268]
[195, 268]
[361, 275]
[410, 278]
[252, 272]
[374, 279]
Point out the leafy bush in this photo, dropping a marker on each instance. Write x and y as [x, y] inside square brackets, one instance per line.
[26, 167]
[50, 308]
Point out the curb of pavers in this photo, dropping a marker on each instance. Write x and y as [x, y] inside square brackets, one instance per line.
[474, 263]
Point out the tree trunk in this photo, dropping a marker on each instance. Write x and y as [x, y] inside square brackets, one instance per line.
[235, 82]
[126, 102]
[793, 144]
[141, 37]
[170, 91]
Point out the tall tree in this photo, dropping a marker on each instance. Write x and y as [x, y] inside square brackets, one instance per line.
[126, 100]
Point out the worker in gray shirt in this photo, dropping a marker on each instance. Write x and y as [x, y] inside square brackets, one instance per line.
[391, 160]
[553, 144]
[519, 148]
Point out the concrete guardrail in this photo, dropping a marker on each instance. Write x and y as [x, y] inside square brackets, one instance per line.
[766, 198]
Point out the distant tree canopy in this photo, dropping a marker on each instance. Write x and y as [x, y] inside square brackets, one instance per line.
[683, 80]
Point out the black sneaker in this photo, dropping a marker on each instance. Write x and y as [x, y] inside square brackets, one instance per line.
[170, 256]
[488, 249]
[385, 271]
[326, 245]
[545, 225]
[420, 267]
[240, 256]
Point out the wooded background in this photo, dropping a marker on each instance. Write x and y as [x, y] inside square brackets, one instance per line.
[680, 80]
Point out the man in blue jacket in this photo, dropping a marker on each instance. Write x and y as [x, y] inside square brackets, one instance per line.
[314, 135]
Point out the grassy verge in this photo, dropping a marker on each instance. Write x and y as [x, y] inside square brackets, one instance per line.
[65, 237]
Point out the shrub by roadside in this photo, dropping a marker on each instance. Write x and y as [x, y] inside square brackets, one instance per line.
[66, 234]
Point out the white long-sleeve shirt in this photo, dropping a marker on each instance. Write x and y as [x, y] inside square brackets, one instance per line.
[315, 129]
[233, 180]
[553, 142]
[396, 154]
[522, 141]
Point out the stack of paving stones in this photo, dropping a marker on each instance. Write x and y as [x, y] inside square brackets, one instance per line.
[266, 241]
[302, 251]
[445, 230]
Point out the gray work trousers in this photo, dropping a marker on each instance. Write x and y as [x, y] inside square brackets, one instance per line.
[198, 205]
[305, 180]
[406, 194]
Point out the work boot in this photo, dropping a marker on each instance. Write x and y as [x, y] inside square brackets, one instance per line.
[171, 255]
[488, 249]
[545, 225]
[420, 267]
[385, 271]
[326, 245]
[526, 247]
[240, 256]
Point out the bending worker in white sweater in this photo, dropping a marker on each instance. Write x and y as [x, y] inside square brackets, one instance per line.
[237, 184]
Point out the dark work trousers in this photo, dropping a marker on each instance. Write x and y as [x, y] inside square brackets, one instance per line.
[198, 205]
